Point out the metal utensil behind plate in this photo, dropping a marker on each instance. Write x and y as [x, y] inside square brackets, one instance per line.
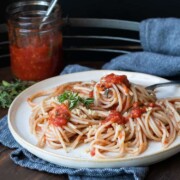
[154, 86]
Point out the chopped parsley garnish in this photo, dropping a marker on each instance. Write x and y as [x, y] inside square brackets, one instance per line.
[74, 99]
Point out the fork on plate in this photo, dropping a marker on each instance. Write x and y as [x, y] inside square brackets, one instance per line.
[171, 83]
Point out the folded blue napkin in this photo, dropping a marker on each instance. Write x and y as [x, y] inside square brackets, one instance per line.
[147, 62]
[161, 35]
[160, 39]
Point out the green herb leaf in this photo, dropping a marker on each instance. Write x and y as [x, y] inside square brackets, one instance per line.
[74, 99]
[87, 101]
[5, 83]
[9, 90]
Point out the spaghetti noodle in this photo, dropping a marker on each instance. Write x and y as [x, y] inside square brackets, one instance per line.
[117, 118]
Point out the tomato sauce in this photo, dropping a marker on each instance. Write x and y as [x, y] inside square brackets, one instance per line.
[92, 152]
[91, 94]
[37, 57]
[139, 108]
[60, 115]
[153, 105]
[115, 117]
[110, 79]
[137, 112]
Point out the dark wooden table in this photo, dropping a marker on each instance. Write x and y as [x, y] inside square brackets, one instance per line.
[165, 170]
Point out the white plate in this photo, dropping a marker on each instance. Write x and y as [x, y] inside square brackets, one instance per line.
[18, 121]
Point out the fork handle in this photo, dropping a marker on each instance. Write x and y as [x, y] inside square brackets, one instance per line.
[154, 86]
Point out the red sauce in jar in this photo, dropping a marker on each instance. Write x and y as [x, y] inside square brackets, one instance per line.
[115, 117]
[60, 115]
[37, 57]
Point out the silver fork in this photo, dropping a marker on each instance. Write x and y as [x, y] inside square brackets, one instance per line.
[171, 83]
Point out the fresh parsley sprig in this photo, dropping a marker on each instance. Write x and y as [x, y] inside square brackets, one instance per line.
[9, 90]
[74, 99]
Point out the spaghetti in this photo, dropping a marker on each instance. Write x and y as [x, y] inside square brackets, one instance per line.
[117, 118]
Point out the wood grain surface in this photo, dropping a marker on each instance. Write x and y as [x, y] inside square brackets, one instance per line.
[165, 170]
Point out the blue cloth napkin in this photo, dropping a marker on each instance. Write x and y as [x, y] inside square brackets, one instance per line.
[147, 62]
[160, 39]
[161, 35]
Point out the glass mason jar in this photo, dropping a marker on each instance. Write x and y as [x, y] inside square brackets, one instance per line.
[35, 40]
